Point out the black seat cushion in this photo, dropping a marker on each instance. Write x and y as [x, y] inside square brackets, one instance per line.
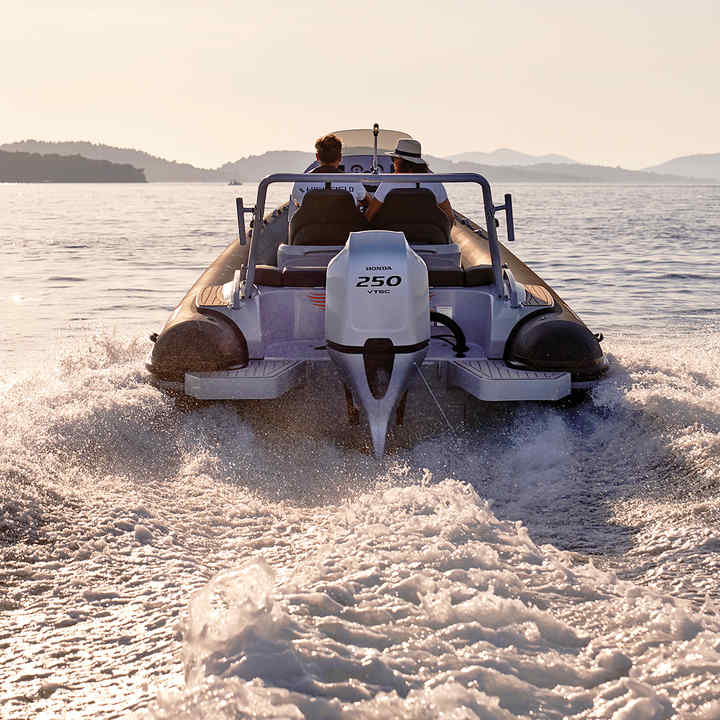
[326, 217]
[446, 277]
[414, 211]
[314, 276]
[268, 275]
[479, 275]
[304, 276]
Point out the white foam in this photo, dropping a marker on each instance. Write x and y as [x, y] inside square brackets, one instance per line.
[324, 585]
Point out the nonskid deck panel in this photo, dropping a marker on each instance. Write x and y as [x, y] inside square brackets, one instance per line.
[489, 380]
[537, 296]
[498, 370]
[259, 380]
[211, 296]
[494, 381]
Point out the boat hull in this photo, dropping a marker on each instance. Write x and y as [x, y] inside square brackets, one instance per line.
[549, 338]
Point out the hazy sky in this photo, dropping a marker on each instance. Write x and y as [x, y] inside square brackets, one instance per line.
[211, 82]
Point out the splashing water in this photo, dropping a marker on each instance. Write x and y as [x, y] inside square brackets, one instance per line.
[326, 585]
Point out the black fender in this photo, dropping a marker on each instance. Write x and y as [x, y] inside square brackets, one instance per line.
[201, 341]
[555, 341]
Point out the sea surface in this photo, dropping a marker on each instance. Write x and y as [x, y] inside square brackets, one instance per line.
[160, 560]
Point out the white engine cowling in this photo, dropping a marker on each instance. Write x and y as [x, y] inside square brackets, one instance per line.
[377, 287]
[377, 321]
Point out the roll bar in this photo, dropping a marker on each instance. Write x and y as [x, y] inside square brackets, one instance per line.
[368, 178]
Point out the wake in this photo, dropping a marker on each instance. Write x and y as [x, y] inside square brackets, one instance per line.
[547, 561]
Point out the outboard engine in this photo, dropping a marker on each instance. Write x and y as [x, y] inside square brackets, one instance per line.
[377, 321]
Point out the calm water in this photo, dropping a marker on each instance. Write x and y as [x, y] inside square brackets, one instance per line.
[248, 561]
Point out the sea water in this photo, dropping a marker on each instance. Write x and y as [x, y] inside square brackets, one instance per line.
[253, 560]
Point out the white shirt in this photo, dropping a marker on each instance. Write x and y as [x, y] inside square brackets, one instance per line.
[437, 189]
[300, 189]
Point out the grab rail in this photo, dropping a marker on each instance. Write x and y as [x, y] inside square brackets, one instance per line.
[374, 179]
[517, 291]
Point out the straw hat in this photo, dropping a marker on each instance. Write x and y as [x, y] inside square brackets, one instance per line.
[408, 149]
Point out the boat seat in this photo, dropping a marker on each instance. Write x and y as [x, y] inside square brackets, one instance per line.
[325, 217]
[414, 211]
[304, 276]
[475, 276]
[268, 275]
[446, 277]
[307, 276]
[315, 276]
[435, 256]
[306, 255]
[439, 256]
[479, 275]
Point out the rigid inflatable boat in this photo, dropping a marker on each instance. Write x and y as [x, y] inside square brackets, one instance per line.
[377, 302]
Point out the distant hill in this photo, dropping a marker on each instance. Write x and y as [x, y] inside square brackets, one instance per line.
[554, 173]
[700, 166]
[33, 167]
[156, 169]
[256, 167]
[505, 156]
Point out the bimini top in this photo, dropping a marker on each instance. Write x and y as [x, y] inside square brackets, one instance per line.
[360, 142]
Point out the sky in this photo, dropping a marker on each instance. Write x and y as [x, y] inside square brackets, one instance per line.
[210, 82]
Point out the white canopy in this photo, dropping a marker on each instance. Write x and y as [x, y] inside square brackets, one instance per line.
[360, 141]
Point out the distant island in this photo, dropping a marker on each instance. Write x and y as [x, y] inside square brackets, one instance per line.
[561, 173]
[505, 156]
[700, 166]
[255, 167]
[502, 165]
[27, 167]
[156, 169]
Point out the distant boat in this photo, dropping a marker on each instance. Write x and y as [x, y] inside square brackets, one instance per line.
[235, 182]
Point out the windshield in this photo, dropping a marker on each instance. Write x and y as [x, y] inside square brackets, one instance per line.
[360, 142]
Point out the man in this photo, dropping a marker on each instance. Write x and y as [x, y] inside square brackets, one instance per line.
[328, 151]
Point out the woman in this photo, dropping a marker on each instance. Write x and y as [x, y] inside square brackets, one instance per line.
[407, 158]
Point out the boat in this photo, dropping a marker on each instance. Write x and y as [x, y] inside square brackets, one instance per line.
[235, 182]
[380, 304]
